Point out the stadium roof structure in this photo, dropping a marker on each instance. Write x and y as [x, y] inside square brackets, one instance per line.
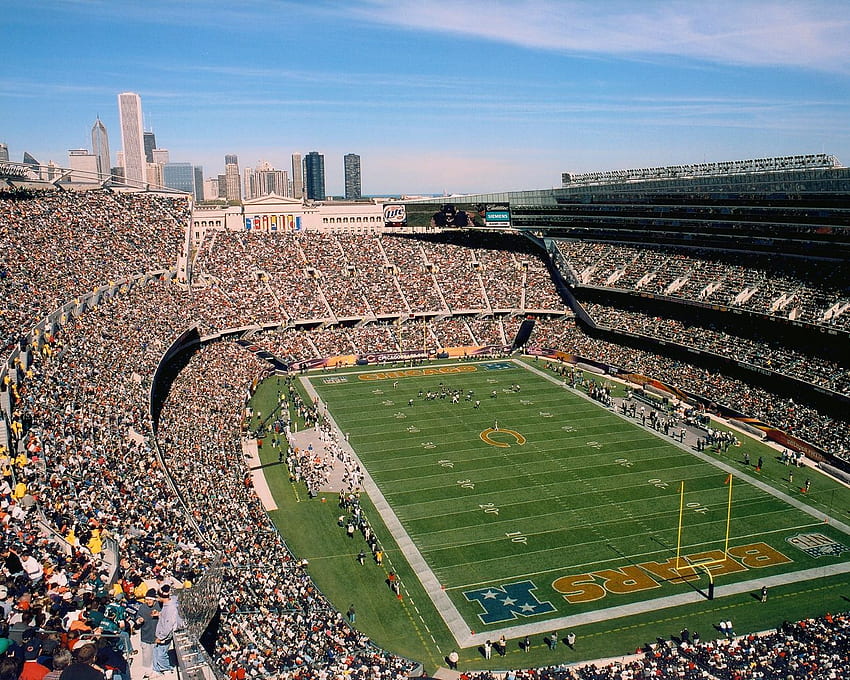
[27, 175]
[786, 175]
[750, 166]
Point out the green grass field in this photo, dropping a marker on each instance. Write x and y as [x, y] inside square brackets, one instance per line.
[539, 509]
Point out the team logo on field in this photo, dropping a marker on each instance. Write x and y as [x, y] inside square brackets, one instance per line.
[507, 602]
[487, 437]
[817, 545]
[498, 366]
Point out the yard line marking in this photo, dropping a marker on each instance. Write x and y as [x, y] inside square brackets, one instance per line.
[618, 559]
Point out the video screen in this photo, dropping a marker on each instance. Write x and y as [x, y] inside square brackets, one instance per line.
[447, 215]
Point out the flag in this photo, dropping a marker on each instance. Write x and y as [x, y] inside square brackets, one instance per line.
[728, 479]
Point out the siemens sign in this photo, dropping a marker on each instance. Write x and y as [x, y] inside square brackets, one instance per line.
[500, 217]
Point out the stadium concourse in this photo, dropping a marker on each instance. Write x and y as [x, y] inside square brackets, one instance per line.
[122, 464]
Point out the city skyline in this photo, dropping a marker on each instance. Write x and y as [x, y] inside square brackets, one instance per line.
[436, 96]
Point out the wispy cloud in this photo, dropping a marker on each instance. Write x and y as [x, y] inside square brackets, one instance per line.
[811, 34]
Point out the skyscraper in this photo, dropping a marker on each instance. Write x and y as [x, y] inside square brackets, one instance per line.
[351, 164]
[211, 189]
[184, 177]
[265, 180]
[100, 147]
[132, 136]
[232, 179]
[4, 152]
[150, 145]
[199, 183]
[297, 176]
[314, 180]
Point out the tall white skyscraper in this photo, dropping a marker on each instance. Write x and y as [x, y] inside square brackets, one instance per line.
[231, 172]
[100, 147]
[132, 136]
[297, 176]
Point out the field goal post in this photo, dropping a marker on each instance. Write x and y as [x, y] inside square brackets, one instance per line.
[685, 563]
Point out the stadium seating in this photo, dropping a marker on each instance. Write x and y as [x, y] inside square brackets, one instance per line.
[129, 506]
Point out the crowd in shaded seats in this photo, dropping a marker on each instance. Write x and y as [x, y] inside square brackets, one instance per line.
[450, 333]
[59, 244]
[760, 351]
[333, 341]
[292, 346]
[288, 345]
[486, 332]
[456, 272]
[793, 288]
[798, 419]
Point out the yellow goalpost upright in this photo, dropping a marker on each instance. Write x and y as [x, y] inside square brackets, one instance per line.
[703, 564]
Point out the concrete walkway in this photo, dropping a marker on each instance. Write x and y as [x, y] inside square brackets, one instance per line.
[258, 477]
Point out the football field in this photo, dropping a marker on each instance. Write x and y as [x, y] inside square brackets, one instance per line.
[522, 505]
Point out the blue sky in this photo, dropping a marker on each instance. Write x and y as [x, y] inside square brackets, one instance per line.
[435, 95]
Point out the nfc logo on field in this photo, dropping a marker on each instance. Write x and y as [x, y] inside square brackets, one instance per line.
[498, 366]
[817, 545]
[506, 602]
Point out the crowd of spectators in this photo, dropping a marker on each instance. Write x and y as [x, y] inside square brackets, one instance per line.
[59, 244]
[274, 621]
[98, 509]
[233, 275]
[792, 288]
[811, 649]
[457, 274]
[761, 351]
[831, 434]
[99, 476]
[338, 276]
[293, 346]
[374, 271]
[93, 513]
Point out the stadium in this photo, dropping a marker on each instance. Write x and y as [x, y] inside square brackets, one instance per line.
[570, 426]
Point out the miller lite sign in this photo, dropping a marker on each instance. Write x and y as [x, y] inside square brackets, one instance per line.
[395, 215]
